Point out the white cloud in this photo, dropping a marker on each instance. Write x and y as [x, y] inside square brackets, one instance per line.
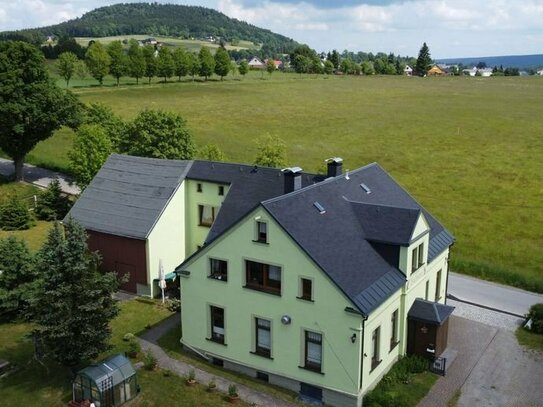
[451, 28]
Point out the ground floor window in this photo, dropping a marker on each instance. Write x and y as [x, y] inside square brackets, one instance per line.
[217, 324]
[313, 351]
[263, 337]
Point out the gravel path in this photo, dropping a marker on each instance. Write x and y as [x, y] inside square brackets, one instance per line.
[149, 340]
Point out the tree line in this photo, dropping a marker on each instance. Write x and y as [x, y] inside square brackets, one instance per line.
[147, 62]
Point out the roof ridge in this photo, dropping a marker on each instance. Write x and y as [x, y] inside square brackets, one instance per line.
[319, 184]
[381, 205]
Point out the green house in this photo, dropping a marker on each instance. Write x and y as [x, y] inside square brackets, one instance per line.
[311, 289]
[110, 383]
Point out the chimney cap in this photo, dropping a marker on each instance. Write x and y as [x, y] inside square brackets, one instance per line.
[292, 170]
[336, 160]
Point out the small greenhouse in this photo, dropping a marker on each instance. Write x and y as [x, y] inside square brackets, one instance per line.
[110, 383]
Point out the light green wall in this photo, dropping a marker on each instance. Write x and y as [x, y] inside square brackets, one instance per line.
[341, 358]
[196, 234]
[167, 239]
[381, 317]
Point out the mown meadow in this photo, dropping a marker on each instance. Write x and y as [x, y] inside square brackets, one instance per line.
[469, 149]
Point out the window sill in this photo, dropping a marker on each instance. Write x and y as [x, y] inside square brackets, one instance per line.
[310, 369]
[263, 290]
[261, 242]
[224, 280]
[418, 268]
[393, 345]
[262, 355]
[216, 341]
[205, 225]
[305, 299]
[374, 365]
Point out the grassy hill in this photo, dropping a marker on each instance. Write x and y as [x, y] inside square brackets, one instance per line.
[467, 148]
[167, 20]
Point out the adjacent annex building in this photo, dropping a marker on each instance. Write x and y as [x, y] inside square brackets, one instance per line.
[322, 287]
[141, 213]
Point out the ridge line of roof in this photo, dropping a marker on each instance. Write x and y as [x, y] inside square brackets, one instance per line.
[381, 205]
[318, 184]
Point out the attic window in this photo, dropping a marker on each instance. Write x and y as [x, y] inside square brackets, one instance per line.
[365, 188]
[319, 207]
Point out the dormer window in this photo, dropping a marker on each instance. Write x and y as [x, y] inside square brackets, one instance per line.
[417, 257]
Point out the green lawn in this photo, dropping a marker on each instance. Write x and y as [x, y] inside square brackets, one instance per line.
[467, 148]
[50, 385]
[529, 339]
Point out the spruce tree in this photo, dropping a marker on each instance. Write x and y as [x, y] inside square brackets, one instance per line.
[52, 203]
[73, 305]
[424, 61]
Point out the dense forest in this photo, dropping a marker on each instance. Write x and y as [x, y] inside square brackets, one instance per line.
[160, 20]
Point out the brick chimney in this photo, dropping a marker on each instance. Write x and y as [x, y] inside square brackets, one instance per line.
[335, 166]
[293, 179]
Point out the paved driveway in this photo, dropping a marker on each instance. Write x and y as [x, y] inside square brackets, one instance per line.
[491, 369]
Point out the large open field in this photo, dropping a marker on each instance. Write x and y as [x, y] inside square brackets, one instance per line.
[469, 149]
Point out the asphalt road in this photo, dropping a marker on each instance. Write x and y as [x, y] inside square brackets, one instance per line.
[40, 176]
[491, 295]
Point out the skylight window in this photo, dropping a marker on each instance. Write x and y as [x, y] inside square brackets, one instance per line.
[319, 207]
[365, 188]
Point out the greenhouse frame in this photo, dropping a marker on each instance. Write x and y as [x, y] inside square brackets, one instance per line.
[110, 383]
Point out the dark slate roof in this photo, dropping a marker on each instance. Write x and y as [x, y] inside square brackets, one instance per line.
[128, 195]
[249, 185]
[430, 312]
[338, 240]
[386, 224]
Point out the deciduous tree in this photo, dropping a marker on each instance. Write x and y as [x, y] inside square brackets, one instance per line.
[118, 65]
[181, 63]
[272, 152]
[270, 66]
[243, 67]
[137, 64]
[160, 134]
[73, 305]
[207, 63]
[32, 107]
[194, 64]
[67, 65]
[97, 60]
[212, 152]
[103, 116]
[150, 61]
[222, 62]
[164, 63]
[90, 151]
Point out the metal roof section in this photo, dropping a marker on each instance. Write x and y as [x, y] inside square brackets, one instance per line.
[430, 312]
[128, 195]
[439, 243]
[379, 291]
[117, 367]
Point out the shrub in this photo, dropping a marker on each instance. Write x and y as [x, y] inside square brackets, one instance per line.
[52, 204]
[129, 337]
[133, 347]
[149, 361]
[536, 315]
[14, 215]
[233, 390]
[173, 305]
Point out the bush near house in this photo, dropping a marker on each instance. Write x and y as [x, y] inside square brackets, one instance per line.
[15, 215]
[403, 386]
[536, 315]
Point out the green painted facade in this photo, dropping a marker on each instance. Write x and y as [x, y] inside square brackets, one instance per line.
[346, 366]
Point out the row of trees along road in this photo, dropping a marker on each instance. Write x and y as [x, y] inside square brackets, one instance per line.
[146, 62]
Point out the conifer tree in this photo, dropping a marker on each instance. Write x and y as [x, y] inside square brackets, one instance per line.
[73, 305]
[424, 61]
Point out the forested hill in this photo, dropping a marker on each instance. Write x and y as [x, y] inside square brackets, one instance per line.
[160, 20]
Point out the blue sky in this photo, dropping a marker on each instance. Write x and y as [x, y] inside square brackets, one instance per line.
[459, 28]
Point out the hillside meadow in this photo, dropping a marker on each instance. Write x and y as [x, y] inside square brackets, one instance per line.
[469, 149]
